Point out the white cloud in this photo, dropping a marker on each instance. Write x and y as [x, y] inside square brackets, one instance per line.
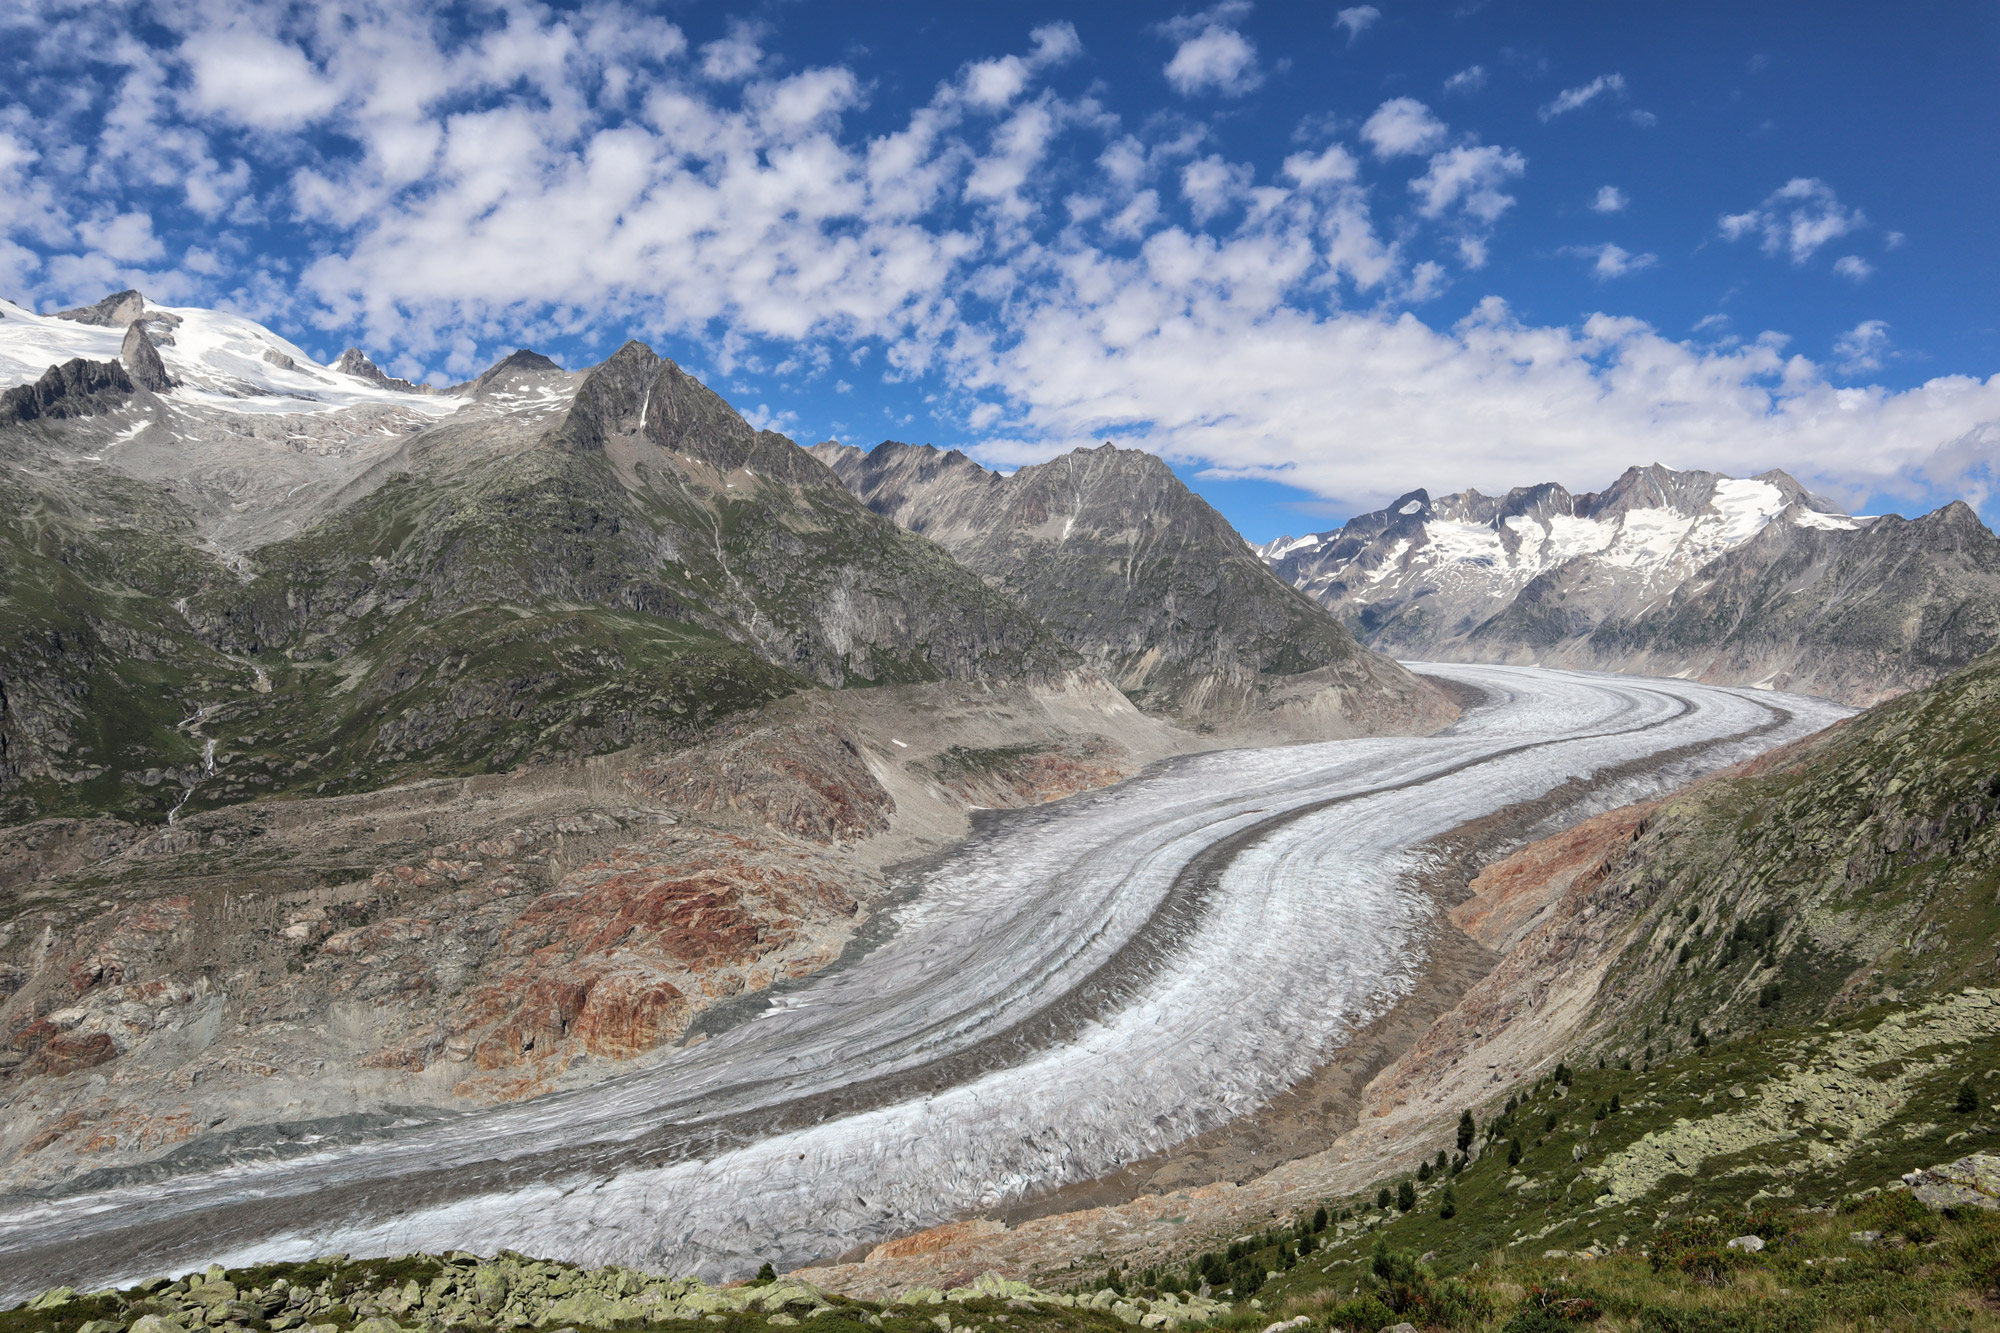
[1469, 178]
[992, 84]
[1609, 199]
[1467, 81]
[733, 58]
[1251, 389]
[1212, 186]
[1853, 266]
[1862, 347]
[1213, 57]
[255, 79]
[1797, 219]
[1055, 43]
[125, 237]
[1402, 125]
[1356, 19]
[1611, 261]
[1334, 166]
[1571, 99]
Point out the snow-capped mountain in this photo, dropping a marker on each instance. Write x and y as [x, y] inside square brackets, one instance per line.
[1423, 573]
[210, 357]
[1607, 580]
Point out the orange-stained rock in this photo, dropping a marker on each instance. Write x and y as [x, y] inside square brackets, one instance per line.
[605, 963]
[936, 1239]
[1508, 895]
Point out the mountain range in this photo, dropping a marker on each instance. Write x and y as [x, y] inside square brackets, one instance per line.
[1748, 581]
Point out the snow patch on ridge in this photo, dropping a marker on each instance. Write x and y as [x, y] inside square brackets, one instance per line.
[216, 360]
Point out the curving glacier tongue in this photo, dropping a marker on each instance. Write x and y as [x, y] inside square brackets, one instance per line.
[1073, 989]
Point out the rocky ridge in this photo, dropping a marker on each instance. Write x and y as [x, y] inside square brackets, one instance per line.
[1736, 581]
[1144, 580]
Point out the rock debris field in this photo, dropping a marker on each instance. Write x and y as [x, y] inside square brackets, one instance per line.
[1074, 988]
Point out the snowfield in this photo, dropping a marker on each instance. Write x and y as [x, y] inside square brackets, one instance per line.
[216, 360]
[1074, 988]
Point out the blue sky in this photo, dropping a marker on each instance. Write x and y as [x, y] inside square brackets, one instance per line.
[1315, 254]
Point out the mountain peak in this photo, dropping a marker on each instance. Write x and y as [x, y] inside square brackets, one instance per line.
[113, 312]
[521, 369]
[614, 393]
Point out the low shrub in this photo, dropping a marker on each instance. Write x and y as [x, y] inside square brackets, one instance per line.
[1696, 1249]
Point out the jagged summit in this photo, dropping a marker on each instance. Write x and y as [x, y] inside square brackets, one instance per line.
[1130, 568]
[76, 388]
[113, 312]
[356, 362]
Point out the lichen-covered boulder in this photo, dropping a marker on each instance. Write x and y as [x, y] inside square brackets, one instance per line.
[1970, 1182]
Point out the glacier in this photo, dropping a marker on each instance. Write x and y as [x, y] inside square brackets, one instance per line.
[1074, 988]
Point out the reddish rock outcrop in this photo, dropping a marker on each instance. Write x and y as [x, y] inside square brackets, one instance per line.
[625, 951]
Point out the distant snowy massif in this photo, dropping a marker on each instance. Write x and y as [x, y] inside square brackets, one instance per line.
[1751, 581]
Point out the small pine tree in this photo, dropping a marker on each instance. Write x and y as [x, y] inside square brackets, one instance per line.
[1308, 1243]
[1382, 1198]
[1406, 1197]
[1466, 1129]
[1424, 1170]
[1514, 1152]
[1967, 1101]
[1319, 1218]
[1614, 1104]
[1448, 1206]
[766, 1274]
[1438, 1165]
[1114, 1280]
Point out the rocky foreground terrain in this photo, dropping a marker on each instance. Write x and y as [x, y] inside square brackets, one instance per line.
[1744, 581]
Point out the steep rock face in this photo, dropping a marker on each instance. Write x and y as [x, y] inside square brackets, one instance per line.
[1137, 575]
[142, 359]
[1742, 581]
[76, 388]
